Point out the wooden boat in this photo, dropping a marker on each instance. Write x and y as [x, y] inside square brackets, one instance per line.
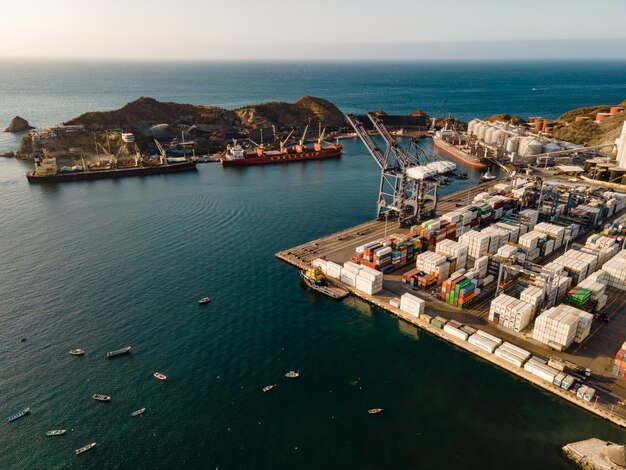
[98, 397]
[18, 414]
[56, 432]
[85, 448]
[160, 376]
[117, 352]
[267, 388]
[374, 411]
[292, 374]
[77, 352]
[138, 412]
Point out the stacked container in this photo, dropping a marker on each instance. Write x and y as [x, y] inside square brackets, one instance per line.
[554, 232]
[557, 327]
[530, 216]
[477, 244]
[512, 354]
[453, 250]
[615, 270]
[510, 312]
[433, 263]
[481, 265]
[483, 343]
[619, 363]
[458, 291]
[349, 273]
[333, 270]
[533, 296]
[454, 328]
[411, 304]
[543, 371]
[369, 281]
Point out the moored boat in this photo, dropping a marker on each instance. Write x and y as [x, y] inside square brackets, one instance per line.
[56, 432]
[18, 414]
[118, 352]
[77, 352]
[85, 448]
[316, 280]
[138, 412]
[98, 397]
[292, 374]
[374, 411]
[160, 376]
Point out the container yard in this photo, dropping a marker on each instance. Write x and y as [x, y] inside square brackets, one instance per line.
[526, 276]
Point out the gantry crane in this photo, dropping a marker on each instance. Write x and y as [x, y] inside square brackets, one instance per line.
[400, 196]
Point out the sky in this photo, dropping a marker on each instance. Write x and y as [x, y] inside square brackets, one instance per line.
[313, 30]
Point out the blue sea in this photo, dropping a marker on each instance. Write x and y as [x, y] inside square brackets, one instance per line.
[105, 264]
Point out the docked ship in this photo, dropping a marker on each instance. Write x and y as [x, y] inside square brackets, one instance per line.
[236, 155]
[439, 141]
[316, 280]
[47, 170]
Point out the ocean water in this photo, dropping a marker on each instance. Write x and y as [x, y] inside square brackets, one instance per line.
[105, 264]
[48, 93]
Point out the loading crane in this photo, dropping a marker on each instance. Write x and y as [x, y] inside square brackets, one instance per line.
[399, 196]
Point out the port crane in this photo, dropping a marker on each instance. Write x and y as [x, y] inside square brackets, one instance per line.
[399, 196]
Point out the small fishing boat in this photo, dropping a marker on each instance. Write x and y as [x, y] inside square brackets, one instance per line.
[138, 412]
[85, 448]
[77, 352]
[98, 397]
[292, 374]
[267, 388]
[117, 352]
[56, 432]
[204, 300]
[374, 411]
[18, 414]
[160, 376]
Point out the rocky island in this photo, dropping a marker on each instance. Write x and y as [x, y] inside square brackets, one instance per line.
[18, 124]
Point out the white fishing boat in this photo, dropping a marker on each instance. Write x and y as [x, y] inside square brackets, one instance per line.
[138, 412]
[374, 411]
[77, 352]
[85, 448]
[204, 300]
[98, 397]
[292, 374]
[267, 388]
[56, 432]
[160, 376]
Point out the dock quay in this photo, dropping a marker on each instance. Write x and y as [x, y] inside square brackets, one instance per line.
[596, 353]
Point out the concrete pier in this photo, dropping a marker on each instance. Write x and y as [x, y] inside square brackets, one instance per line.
[340, 246]
[596, 454]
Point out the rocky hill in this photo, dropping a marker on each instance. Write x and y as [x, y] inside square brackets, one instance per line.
[512, 118]
[588, 131]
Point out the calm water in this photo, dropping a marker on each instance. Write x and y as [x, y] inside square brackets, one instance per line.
[105, 264]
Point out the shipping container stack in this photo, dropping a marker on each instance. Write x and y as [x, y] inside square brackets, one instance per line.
[619, 364]
[454, 251]
[459, 291]
[556, 233]
[533, 296]
[509, 251]
[615, 270]
[512, 354]
[509, 312]
[543, 371]
[477, 244]
[432, 263]
[512, 229]
[481, 265]
[454, 328]
[369, 281]
[617, 229]
[412, 304]
[484, 341]
[605, 248]
[530, 243]
[349, 273]
[530, 217]
[560, 326]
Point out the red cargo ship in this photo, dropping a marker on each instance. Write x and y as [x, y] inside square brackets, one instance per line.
[235, 154]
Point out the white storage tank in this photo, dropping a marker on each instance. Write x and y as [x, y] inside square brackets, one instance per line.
[489, 133]
[497, 137]
[550, 147]
[480, 133]
[512, 144]
[471, 126]
[535, 147]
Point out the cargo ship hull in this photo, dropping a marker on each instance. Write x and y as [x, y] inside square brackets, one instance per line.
[114, 173]
[476, 162]
[284, 157]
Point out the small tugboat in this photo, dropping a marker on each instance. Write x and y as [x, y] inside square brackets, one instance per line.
[488, 176]
[316, 280]
[117, 352]
[267, 388]
[85, 448]
[77, 352]
[374, 411]
[138, 412]
[160, 376]
[56, 432]
[204, 300]
[98, 397]
[292, 374]
[19, 414]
